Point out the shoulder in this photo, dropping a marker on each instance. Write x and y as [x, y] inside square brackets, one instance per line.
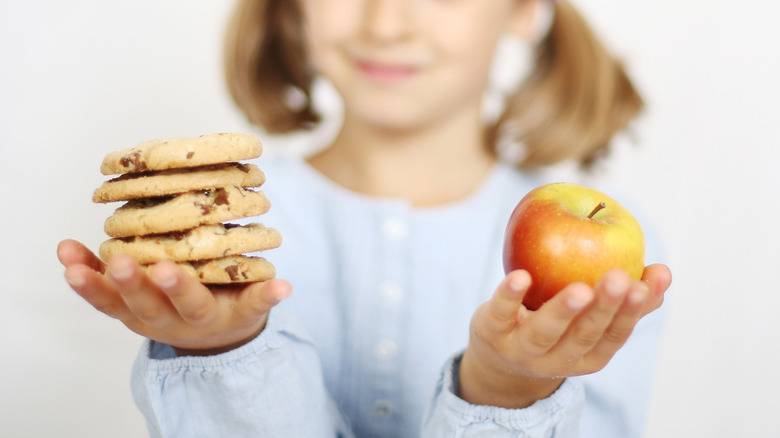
[299, 202]
[510, 184]
[286, 175]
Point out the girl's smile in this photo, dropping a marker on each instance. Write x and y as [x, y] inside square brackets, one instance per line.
[383, 73]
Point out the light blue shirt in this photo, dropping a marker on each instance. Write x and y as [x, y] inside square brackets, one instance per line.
[368, 343]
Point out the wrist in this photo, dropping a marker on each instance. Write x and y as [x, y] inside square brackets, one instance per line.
[212, 351]
[481, 383]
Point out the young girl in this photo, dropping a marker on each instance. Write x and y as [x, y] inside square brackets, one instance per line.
[402, 323]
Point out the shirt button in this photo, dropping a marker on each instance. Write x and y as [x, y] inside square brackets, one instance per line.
[390, 292]
[385, 349]
[394, 229]
[383, 408]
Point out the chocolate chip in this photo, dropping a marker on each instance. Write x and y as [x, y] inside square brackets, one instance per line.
[205, 208]
[190, 155]
[232, 271]
[221, 198]
[133, 161]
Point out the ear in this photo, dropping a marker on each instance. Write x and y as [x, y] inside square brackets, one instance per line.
[527, 15]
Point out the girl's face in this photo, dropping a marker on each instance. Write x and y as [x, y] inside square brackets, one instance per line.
[403, 63]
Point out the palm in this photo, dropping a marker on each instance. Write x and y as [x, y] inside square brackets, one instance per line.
[168, 305]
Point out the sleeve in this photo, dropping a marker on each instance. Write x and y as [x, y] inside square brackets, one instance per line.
[270, 387]
[448, 415]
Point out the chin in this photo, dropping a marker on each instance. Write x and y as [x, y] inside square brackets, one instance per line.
[386, 116]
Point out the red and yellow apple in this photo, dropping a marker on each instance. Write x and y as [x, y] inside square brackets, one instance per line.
[563, 233]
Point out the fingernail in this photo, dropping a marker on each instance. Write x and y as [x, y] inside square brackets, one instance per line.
[121, 272]
[516, 285]
[165, 281]
[637, 296]
[578, 300]
[283, 294]
[75, 280]
[519, 283]
[615, 289]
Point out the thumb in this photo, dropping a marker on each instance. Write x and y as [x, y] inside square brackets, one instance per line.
[506, 305]
[71, 252]
[658, 278]
[259, 298]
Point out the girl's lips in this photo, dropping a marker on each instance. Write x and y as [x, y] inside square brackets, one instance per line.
[385, 73]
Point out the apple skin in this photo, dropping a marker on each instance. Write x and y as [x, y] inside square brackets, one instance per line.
[550, 235]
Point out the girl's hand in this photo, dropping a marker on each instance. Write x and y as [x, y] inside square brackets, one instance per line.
[516, 356]
[169, 305]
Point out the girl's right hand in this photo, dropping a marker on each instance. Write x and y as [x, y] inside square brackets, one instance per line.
[169, 305]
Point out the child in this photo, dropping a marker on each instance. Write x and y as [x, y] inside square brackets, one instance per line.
[392, 240]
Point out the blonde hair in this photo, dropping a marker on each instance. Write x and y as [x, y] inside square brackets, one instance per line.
[576, 98]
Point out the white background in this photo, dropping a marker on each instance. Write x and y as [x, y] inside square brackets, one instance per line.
[81, 78]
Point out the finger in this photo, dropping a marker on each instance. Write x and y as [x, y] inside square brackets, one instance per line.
[257, 299]
[545, 327]
[193, 301]
[622, 325]
[142, 297]
[589, 327]
[97, 290]
[71, 252]
[505, 307]
[658, 278]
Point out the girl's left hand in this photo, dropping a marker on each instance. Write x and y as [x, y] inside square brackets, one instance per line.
[516, 356]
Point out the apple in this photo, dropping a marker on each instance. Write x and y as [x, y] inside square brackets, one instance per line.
[562, 233]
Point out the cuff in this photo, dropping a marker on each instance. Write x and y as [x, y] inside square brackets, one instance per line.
[160, 357]
[565, 401]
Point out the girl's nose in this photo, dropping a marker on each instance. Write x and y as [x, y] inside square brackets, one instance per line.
[388, 20]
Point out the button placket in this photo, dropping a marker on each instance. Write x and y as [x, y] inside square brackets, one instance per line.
[388, 330]
[386, 349]
[391, 293]
[383, 409]
[395, 229]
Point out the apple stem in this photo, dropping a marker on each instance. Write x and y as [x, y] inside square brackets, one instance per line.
[596, 210]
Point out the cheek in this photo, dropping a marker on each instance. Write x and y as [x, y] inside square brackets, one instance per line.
[470, 58]
[468, 42]
[327, 25]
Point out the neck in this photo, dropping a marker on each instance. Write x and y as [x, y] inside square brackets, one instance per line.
[431, 165]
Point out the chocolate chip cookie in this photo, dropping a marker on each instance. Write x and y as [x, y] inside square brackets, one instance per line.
[230, 269]
[139, 217]
[174, 181]
[175, 153]
[200, 243]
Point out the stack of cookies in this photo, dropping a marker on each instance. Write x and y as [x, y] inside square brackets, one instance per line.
[179, 194]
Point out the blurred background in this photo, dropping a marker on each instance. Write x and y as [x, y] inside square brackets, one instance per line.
[85, 77]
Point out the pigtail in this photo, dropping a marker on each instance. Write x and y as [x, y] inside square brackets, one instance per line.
[573, 102]
[264, 62]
